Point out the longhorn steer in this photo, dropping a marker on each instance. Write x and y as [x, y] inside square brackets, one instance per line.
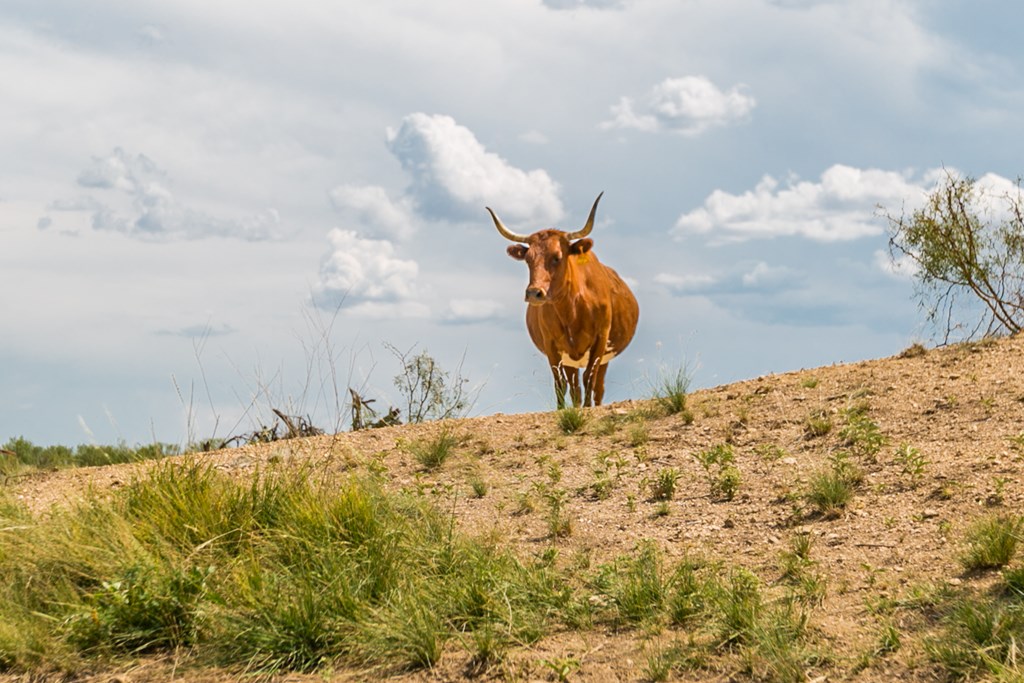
[580, 314]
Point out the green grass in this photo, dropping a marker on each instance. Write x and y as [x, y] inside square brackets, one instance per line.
[635, 585]
[571, 419]
[311, 570]
[979, 640]
[991, 542]
[292, 571]
[817, 424]
[670, 393]
[433, 452]
[831, 490]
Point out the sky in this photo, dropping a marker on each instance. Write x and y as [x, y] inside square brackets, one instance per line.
[212, 209]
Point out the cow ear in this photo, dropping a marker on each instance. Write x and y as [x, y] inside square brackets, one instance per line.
[581, 246]
[517, 251]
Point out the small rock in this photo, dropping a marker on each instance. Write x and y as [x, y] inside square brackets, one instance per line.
[929, 513]
[788, 461]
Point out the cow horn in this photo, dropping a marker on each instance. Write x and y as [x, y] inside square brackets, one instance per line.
[590, 222]
[505, 232]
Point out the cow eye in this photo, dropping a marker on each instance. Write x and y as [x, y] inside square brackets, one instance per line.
[555, 259]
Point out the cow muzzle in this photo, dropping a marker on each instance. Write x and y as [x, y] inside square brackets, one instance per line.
[535, 295]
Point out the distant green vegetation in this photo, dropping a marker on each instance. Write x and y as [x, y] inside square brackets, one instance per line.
[20, 455]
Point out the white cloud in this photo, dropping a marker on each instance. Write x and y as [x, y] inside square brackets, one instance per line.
[472, 310]
[138, 201]
[746, 277]
[534, 137]
[360, 271]
[688, 105]
[900, 267]
[764, 276]
[369, 208]
[581, 4]
[840, 206]
[685, 284]
[454, 177]
[388, 310]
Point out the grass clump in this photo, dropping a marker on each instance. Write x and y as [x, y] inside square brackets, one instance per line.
[991, 542]
[817, 424]
[980, 639]
[670, 393]
[572, 419]
[831, 490]
[638, 433]
[432, 453]
[635, 586]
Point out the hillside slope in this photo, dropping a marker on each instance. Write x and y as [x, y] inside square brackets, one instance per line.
[936, 438]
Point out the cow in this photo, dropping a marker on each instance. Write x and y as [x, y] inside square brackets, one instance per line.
[580, 313]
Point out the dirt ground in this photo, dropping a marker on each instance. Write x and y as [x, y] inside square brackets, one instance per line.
[961, 407]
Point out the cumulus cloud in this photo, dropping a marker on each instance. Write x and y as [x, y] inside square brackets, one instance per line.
[900, 267]
[368, 208]
[581, 4]
[454, 176]
[688, 106]
[686, 284]
[839, 206]
[360, 271]
[138, 201]
[534, 137]
[747, 277]
[472, 310]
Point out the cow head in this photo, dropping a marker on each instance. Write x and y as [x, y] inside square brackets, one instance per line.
[547, 254]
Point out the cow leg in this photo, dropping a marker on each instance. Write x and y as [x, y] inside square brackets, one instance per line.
[574, 386]
[589, 378]
[599, 384]
[561, 382]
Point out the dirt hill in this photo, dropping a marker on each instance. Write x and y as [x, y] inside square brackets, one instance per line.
[935, 437]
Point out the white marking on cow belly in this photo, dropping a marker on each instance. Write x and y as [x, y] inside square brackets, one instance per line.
[582, 361]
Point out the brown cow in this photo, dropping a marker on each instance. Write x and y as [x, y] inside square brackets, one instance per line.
[580, 314]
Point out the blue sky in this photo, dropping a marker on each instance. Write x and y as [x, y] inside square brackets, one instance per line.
[208, 209]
